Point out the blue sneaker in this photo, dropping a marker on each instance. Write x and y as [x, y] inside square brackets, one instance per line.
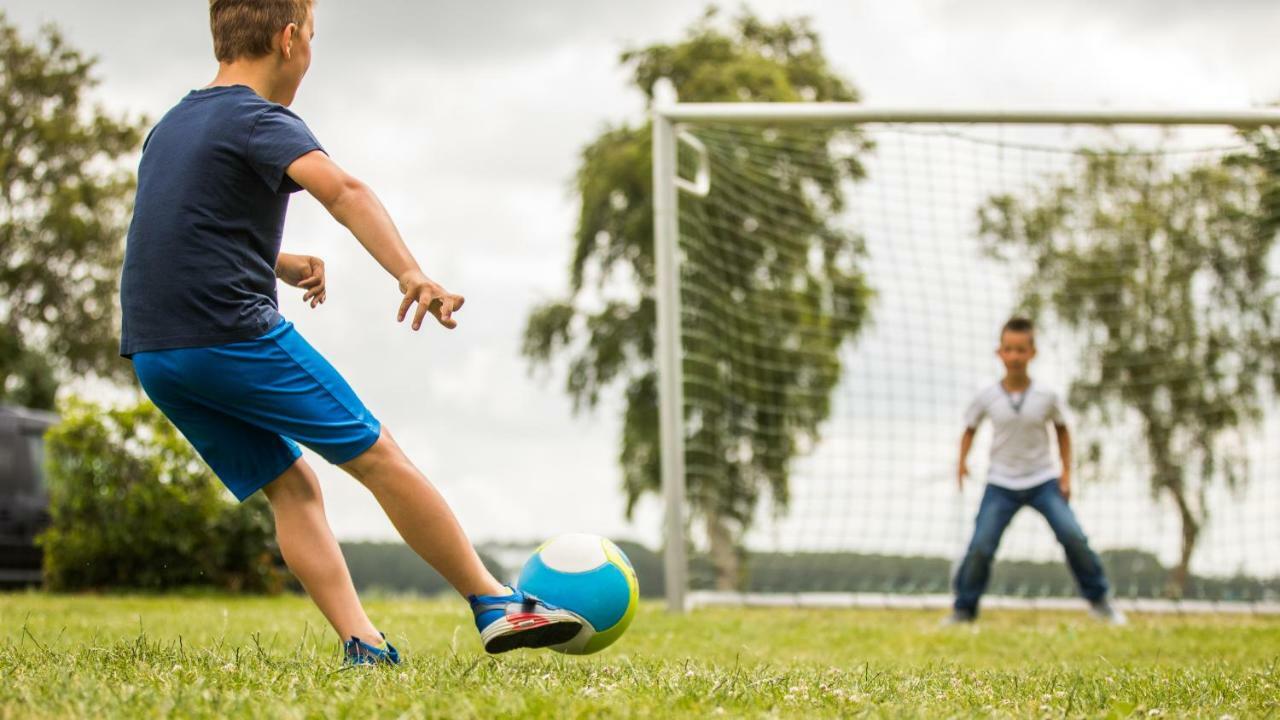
[359, 652]
[520, 620]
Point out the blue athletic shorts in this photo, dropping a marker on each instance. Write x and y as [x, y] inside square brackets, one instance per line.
[243, 404]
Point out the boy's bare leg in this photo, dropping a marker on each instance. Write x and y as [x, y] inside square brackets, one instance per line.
[312, 553]
[422, 516]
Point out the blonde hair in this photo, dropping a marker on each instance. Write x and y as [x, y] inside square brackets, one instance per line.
[244, 28]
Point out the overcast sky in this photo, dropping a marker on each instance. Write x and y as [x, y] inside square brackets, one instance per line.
[468, 118]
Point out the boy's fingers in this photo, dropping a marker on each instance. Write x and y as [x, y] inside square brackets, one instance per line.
[443, 308]
[444, 315]
[308, 282]
[421, 313]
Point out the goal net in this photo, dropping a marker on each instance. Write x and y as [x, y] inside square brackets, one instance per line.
[841, 287]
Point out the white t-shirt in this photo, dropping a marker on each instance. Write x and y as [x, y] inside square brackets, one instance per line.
[1020, 454]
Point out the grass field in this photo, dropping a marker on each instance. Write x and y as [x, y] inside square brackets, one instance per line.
[233, 657]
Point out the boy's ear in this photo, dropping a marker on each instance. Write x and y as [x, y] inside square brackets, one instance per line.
[286, 39]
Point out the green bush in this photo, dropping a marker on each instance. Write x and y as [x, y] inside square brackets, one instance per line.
[134, 507]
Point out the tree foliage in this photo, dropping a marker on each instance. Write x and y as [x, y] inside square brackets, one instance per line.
[753, 413]
[1164, 275]
[63, 210]
[133, 506]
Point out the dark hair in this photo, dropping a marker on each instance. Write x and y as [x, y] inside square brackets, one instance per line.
[1018, 324]
[244, 28]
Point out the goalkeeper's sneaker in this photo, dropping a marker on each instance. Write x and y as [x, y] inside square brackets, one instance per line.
[520, 620]
[359, 652]
[1107, 613]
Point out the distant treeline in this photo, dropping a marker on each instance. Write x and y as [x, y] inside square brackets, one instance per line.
[392, 567]
[1133, 574]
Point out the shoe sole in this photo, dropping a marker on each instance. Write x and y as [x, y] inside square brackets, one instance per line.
[530, 630]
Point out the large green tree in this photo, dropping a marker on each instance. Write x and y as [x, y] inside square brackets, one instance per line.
[789, 306]
[64, 201]
[1163, 274]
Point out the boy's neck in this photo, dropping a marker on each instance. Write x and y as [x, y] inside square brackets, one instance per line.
[1016, 383]
[255, 75]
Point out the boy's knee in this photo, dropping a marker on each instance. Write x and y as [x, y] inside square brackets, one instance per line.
[372, 462]
[297, 484]
[982, 551]
[1074, 540]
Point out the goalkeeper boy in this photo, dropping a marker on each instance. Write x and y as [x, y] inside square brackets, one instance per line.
[1023, 472]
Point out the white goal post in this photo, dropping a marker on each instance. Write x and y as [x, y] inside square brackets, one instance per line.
[669, 120]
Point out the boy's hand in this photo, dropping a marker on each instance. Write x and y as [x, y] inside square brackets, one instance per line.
[960, 476]
[303, 271]
[430, 297]
[1064, 484]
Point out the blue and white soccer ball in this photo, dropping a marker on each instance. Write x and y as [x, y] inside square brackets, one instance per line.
[587, 575]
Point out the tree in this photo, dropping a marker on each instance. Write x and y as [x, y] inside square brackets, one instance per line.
[748, 428]
[63, 209]
[133, 506]
[1163, 275]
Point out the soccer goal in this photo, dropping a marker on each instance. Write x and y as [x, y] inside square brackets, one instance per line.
[831, 280]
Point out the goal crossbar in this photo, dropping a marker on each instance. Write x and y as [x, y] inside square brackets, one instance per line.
[801, 113]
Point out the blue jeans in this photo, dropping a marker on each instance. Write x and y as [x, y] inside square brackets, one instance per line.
[997, 509]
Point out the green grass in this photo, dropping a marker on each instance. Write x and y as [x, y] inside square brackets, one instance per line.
[99, 657]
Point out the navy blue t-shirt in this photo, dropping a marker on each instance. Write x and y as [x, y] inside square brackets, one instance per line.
[199, 266]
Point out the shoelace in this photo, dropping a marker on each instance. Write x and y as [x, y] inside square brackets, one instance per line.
[528, 602]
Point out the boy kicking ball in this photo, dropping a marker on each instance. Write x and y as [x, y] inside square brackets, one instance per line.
[211, 350]
[1023, 472]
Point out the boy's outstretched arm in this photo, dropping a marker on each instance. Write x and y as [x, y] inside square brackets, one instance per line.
[1064, 450]
[966, 442]
[353, 204]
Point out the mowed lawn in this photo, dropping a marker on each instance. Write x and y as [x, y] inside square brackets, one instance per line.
[215, 656]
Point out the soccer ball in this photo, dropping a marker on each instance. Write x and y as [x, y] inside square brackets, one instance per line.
[587, 575]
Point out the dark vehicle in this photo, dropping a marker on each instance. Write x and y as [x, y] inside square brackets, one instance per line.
[24, 500]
